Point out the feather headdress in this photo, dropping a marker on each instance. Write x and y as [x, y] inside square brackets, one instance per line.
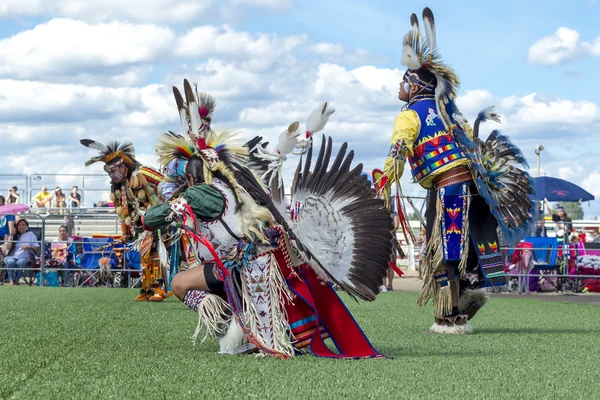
[195, 112]
[418, 54]
[111, 151]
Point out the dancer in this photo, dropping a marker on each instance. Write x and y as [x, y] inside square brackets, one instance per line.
[134, 190]
[473, 186]
[262, 280]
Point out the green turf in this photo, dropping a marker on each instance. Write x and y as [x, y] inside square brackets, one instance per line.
[98, 343]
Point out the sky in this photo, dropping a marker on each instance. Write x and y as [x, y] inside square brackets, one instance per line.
[103, 69]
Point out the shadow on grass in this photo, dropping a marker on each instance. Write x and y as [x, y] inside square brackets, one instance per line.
[536, 331]
[417, 353]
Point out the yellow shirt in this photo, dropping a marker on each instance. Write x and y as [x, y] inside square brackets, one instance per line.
[406, 130]
[43, 197]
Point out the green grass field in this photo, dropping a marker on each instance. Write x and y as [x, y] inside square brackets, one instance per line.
[98, 343]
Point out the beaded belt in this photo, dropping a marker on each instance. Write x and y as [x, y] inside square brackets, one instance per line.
[453, 176]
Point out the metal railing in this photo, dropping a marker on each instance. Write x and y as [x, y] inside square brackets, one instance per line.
[80, 223]
[92, 187]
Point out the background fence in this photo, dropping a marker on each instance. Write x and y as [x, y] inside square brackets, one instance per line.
[92, 187]
[93, 235]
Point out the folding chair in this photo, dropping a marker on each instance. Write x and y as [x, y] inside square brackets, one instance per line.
[544, 258]
[93, 250]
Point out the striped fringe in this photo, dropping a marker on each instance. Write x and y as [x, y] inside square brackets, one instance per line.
[434, 259]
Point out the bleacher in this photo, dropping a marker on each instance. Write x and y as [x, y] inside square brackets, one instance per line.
[84, 223]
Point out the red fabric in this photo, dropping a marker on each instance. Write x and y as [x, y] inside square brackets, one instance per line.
[593, 285]
[518, 254]
[316, 298]
[395, 268]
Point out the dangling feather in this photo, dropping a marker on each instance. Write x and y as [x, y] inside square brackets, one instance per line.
[318, 118]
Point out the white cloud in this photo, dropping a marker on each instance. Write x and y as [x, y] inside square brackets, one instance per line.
[154, 11]
[592, 183]
[109, 10]
[158, 107]
[563, 45]
[29, 101]
[68, 47]
[260, 49]
[267, 4]
[338, 52]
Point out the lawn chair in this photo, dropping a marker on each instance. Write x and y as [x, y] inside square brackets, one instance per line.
[93, 250]
[545, 261]
[132, 261]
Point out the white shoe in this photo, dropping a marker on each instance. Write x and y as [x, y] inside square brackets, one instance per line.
[382, 288]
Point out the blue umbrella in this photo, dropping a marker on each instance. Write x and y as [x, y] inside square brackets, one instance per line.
[554, 189]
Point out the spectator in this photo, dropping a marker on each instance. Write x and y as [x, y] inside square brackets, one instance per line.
[539, 230]
[23, 245]
[62, 253]
[13, 197]
[7, 230]
[43, 199]
[75, 198]
[60, 200]
[561, 216]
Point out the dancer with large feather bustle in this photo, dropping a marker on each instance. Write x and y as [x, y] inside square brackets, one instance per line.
[473, 186]
[261, 280]
[134, 189]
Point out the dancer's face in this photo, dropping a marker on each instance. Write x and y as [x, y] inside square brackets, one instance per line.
[402, 95]
[117, 171]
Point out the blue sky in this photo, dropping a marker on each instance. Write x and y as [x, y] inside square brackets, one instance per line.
[103, 69]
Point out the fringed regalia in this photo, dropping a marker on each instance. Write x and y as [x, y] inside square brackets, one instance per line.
[275, 264]
[474, 187]
[136, 193]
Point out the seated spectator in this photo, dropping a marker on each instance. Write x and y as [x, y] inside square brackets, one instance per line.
[539, 230]
[62, 253]
[43, 199]
[7, 231]
[75, 198]
[22, 247]
[60, 200]
[13, 197]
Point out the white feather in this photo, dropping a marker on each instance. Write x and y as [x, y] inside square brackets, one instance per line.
[489, 114]
[327, 234]
[318, 118]
[287, 139]
[410, 58]
[185, 128]
[195, 120]
[162, 253]
[98, 146]
[430, 32]
[451, 330]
